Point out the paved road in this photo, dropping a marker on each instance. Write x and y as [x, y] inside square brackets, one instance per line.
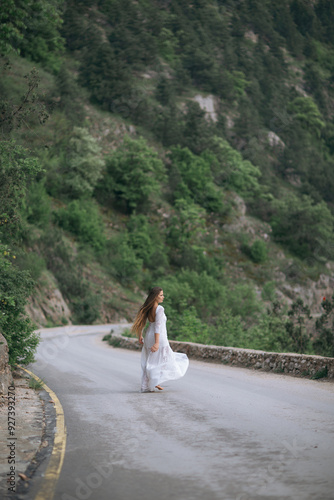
[219, 433]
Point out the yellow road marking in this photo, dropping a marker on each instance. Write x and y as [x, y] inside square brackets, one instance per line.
[53, 470]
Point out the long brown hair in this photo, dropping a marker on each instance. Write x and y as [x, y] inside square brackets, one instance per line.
[143, 312]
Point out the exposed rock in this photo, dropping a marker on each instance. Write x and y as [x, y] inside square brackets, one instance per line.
[47, 305]
[275, 141]
[207, 104]
[250, 35]
[242, 223]
[6, 378]
[312, 292]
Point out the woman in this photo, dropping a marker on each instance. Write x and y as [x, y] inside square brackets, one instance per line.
[159, 363]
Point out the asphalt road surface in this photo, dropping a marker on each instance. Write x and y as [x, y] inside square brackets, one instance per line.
[219, 433]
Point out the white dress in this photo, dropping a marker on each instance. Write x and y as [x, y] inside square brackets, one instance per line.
[164, 364]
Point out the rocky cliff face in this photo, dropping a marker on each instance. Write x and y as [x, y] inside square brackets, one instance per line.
[282, 269]
[47, 306]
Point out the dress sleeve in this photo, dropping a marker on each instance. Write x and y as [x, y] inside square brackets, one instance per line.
[159, 319]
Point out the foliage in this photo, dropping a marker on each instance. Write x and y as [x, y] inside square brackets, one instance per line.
[189, 328]
[31, 106]
[147, 243]
[270, 333]
[31, 27]
[16, 169]
[68, 268]
[82, 218]
[125, 265]
[186, 225]
[303, 226]
[232, 171]
[258, 251]
[141, 67]
[191, 179]
[324, 328]
[16, 327]
[299, 336]
[78, 171]
[37, 205]
[132, 176]
[306, 111]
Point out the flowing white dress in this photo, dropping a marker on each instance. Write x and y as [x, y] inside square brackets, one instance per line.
[164, 364]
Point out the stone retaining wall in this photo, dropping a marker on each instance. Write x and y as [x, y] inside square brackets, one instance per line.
[302, 365]
[6, 378]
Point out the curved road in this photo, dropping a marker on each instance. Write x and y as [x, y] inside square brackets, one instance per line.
[219, 433]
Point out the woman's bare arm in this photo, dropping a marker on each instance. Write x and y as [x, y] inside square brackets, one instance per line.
[155, 347]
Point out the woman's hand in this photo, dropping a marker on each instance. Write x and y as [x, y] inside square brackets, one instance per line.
[141, 340]
[155, 347]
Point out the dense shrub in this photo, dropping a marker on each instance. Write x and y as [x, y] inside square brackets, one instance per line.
[17, 328]
[37, 206]
[123, 262]
[134, 173]
[82, 218]
[305, 227]
[77, 170]
[191, 179]
[259, 251]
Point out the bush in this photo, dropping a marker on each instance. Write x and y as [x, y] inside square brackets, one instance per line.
[76, 171]
[133, 174]
[125, 265]
[228, 330]
[305, 227]
[37, 206]
[191, 180]
[300, 337]
[259, 252]
[242, 301]
[82, 218]
[232, 171]
[187, 327]
[186, 226]
[16, 170]
[15, 288]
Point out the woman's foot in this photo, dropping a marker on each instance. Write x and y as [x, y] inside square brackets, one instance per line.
[159, 387]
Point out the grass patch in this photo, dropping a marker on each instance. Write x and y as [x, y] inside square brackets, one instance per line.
[37, 385]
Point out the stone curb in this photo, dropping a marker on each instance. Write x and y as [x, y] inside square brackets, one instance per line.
[300, 365]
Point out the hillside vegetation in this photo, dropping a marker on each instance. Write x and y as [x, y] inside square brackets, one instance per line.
[185, 145]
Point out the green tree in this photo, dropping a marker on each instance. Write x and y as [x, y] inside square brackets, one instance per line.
[15, 288]
[305, 227]
[32, 28]
[300, 337]
[232, 171]
[16, 170]
[77, 172]
[186, 226]
[82, 218]
[191, 178]
[133, 176]
[305, 110]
